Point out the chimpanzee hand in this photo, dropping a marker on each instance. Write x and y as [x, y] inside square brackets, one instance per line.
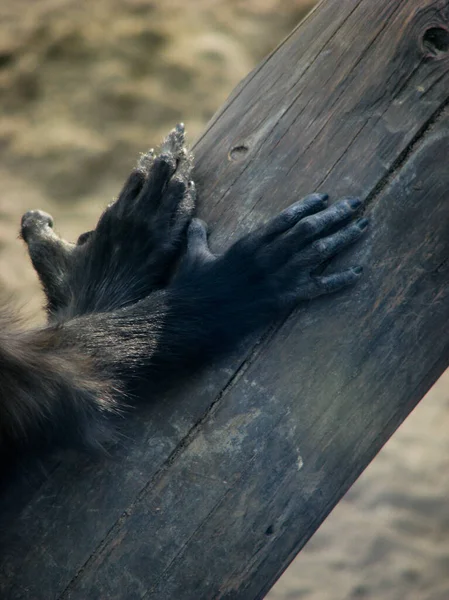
[272, 268]
[133, 249]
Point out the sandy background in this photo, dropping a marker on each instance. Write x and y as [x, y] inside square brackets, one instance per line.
[84, 87]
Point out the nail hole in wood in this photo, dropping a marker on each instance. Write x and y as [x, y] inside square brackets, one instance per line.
[238, 152]
[436, 40]
[270, 530]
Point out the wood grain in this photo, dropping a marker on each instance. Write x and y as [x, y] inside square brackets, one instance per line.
[214, 491]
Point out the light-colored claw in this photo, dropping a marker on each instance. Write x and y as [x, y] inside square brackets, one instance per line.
[175, 141]
[173, 147]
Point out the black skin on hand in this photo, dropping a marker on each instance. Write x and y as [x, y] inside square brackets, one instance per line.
[142, 298]
[278, 262]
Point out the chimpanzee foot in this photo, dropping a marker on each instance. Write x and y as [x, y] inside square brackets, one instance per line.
[136, 244]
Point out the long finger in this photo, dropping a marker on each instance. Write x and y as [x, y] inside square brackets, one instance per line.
[323, 249]
[329, 284]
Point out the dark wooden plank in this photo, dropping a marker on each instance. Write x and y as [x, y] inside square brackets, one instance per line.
[339, 105]
[295, 431]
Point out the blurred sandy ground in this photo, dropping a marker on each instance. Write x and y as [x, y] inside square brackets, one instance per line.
[84, 87]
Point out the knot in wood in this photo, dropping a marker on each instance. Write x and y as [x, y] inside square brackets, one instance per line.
[435, 41]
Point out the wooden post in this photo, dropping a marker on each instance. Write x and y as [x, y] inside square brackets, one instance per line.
[215, 492]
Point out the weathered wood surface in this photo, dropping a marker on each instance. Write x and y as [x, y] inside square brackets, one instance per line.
[215, 491]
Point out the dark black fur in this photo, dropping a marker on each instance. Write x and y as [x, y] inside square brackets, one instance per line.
[142, 299]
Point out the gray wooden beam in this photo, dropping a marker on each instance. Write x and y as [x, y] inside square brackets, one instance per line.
[216, 489]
